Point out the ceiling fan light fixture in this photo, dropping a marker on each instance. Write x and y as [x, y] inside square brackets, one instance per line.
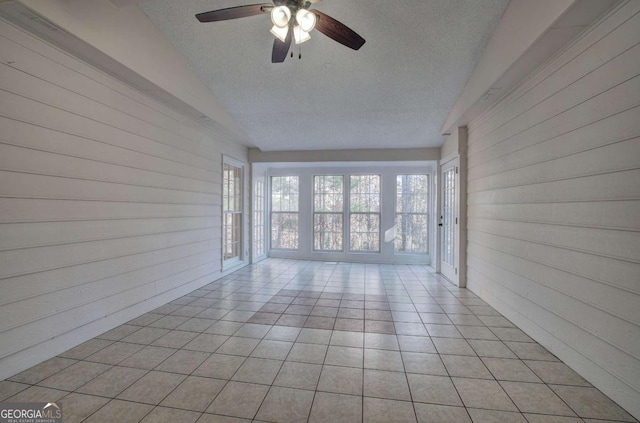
[299, 35]
[306, 20]
[280, 16]
[280, 33]
[292, 20]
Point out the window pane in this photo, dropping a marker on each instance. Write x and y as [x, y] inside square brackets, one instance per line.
[284, 230]
[448, 214]
[231, 188]
[232, 226]
[412, 193]
[365, 193]
[237, 183]
[225, 186]
[327, 231]
[284, 212]
[365, 232]
[328, 203]
[412, 219]
[412, 233]
[364, 204]
[284, 193]
[328, 193]
[258, 217]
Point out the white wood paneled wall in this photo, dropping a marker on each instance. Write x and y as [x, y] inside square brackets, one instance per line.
[554, 206]
[110, 202]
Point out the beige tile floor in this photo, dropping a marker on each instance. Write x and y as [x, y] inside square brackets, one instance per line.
[297, 341]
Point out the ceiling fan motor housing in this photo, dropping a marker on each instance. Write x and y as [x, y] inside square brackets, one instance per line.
[293, 5]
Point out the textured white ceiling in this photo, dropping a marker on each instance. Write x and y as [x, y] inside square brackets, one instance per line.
[395, 92]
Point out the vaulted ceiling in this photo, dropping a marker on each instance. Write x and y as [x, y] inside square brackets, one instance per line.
[395, 92]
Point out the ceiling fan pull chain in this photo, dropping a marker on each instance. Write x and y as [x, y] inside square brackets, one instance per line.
[293, 45]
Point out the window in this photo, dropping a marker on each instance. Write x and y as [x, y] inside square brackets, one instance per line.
[364, 218]
[258, 217]
[284, 212]
[231, 212]
[328, 195]
[412, 220]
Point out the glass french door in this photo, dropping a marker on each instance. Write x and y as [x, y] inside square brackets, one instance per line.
[449, 221]
[259, 244]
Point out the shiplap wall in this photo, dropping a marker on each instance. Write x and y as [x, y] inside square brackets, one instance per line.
[110, 202]
[554, 206]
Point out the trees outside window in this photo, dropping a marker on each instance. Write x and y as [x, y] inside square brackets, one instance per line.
[328, 212]
[412, 218]
[364, 213]
[284, 212]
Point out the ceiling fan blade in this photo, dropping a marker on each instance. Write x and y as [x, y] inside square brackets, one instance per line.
[338, 31]
[234, 12]
[281, 49]
[314, 1]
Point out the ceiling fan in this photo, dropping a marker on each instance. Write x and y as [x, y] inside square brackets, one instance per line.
[292, 20]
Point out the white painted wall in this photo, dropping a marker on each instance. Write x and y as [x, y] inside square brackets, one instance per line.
[127, 37]
[450, 148]
[109, 202]
[554, 206]
[521, 25]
